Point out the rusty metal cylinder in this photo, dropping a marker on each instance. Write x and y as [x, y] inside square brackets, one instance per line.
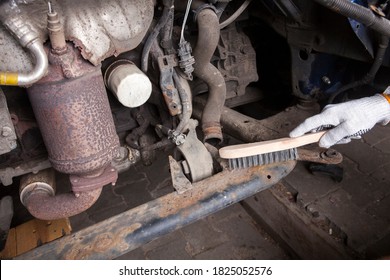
[74, 116]
[37, 194]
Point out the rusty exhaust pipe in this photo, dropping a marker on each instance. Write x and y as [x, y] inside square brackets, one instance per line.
[74, 116]
[37, 194]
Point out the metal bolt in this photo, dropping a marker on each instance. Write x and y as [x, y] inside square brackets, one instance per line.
[326, 80]
[6, 131]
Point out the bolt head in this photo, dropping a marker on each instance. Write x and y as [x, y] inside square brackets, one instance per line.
[6, 131]
[326, 80]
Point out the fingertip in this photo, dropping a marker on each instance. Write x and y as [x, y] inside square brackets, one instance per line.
[298, 131]
[325, 142]
[323, 145]
[295, 133]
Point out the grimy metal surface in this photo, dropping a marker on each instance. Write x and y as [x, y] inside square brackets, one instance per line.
[7, 130]
[248, 129]
[100, 28]
[129, 230]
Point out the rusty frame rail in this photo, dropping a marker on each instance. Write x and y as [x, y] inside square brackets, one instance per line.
[131, 229]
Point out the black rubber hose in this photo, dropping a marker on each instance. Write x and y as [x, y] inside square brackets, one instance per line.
[208, 38]
[358, 13]
[370, 76]
[152, 37]
[166, 41]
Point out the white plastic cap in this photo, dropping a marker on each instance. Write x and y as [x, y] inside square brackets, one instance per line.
[129, 84]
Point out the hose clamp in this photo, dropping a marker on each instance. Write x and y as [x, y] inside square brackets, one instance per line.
[203, 7]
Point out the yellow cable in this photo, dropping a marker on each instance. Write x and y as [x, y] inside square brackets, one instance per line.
[8, 78]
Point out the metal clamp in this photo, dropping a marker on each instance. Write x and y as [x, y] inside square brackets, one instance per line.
[197, 163]
[203, 7]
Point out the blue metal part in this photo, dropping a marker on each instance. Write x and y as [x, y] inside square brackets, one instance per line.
[361, 31]
[323, 66]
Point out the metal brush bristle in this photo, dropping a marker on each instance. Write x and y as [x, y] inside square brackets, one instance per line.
[263, 159]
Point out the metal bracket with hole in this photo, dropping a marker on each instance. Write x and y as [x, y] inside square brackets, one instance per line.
[169, 91]
[179, 181]
[320, 155]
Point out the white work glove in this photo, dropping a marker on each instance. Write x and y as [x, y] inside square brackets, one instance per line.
[346, 120]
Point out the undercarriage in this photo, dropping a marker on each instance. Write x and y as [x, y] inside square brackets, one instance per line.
[90, 89]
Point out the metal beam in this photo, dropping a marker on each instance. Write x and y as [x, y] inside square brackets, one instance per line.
[131, 229]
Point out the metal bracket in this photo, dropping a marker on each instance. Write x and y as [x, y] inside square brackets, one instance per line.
[83, 184]
[320, 155]
[198, 163]
[179, 181]
[171, 95]
[176, 137]
[7, 174]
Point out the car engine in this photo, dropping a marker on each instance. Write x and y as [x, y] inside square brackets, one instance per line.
[90, 88]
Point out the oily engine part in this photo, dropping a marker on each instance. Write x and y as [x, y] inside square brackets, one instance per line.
[100, 28]
[74, 116]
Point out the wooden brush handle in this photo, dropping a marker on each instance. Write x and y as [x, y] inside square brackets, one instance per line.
[264, 147]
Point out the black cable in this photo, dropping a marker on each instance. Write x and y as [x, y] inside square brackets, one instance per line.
[358, 13]
[370, 76]
[152, 37]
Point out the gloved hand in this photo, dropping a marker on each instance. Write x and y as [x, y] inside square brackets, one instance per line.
[349, 119]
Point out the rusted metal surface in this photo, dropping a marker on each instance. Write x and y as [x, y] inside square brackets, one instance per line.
[44, 182]
[99, 29]
[127, 157]
[320, 155]
[248, 129]
[75, 118]
[129, 230]
[169, 91]
[49, 208]
[209, 33]
[37, 192]
[85, 184]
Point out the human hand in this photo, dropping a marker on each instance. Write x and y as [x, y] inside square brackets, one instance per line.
[346, 120]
